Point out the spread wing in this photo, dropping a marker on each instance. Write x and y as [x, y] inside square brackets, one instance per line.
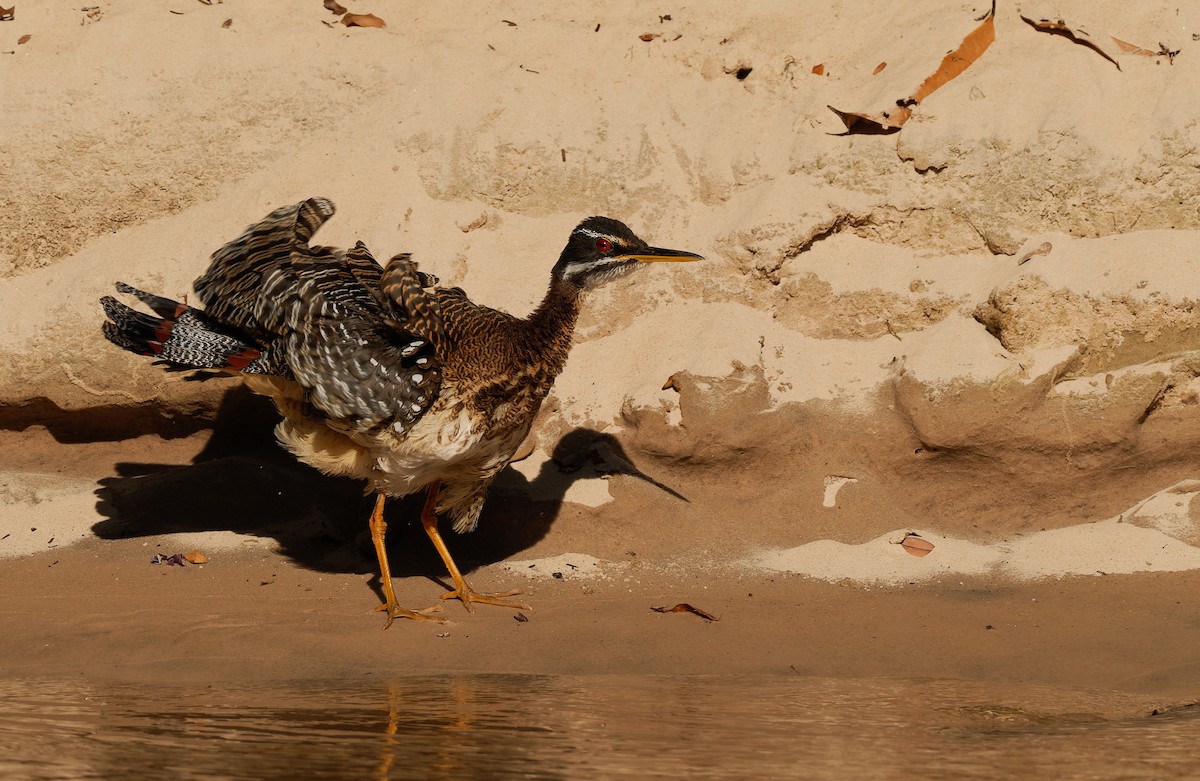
[362, 358]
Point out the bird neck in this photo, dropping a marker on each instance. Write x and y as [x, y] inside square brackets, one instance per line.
[552, 324]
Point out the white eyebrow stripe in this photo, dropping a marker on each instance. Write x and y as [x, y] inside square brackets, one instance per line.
[599, 235]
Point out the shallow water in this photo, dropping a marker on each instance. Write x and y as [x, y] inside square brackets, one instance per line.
[549, 727]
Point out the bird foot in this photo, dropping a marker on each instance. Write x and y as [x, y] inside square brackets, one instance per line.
[469, 596]
[424, 614]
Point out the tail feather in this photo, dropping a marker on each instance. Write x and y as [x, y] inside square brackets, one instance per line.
[131, 329]
[182, 336]
[164, 307]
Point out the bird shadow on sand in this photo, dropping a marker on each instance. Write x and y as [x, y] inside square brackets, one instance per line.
[243, 481]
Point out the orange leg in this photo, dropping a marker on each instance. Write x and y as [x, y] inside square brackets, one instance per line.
[461, 590]
[394, 611]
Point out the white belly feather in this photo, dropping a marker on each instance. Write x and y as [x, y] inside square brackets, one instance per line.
[446, 444]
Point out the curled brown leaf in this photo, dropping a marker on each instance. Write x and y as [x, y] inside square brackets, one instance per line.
[874, 124]
[918, 547]
[362, 20]
[1074, 34]
[333, 6]
[649, 36]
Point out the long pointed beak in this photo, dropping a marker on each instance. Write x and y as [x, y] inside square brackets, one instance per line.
[660, 255]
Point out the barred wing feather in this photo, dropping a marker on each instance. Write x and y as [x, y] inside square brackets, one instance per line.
[325, 312]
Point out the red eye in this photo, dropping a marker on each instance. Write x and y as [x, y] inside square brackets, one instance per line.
[603, 246]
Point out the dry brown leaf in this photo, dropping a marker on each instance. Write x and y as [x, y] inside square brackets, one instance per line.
[196, 557]
[878, 68]
[227, 24]
[1131, 48]
[818, 70]
[333, 6]
[1163, 50]
[649, 36]
[1041, 249]
[24, 39]
[8, 14]
[684, 607]
[1059, 27]
[874, 125]
[971, 49]
[913, 543]
[957, 61]
[362, 20]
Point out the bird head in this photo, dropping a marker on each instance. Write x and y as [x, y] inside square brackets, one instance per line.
[601, 248]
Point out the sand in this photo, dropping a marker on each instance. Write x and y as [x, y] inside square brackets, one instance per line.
[982, 329]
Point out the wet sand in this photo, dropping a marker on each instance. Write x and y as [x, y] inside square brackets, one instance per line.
[104, 613]
[291, 594]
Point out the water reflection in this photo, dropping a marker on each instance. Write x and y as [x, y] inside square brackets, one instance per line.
[544, 727]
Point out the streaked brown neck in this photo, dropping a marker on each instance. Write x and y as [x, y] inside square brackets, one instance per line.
[552, 324]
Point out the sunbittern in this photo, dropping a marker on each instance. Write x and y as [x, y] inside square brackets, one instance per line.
[379, 374]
